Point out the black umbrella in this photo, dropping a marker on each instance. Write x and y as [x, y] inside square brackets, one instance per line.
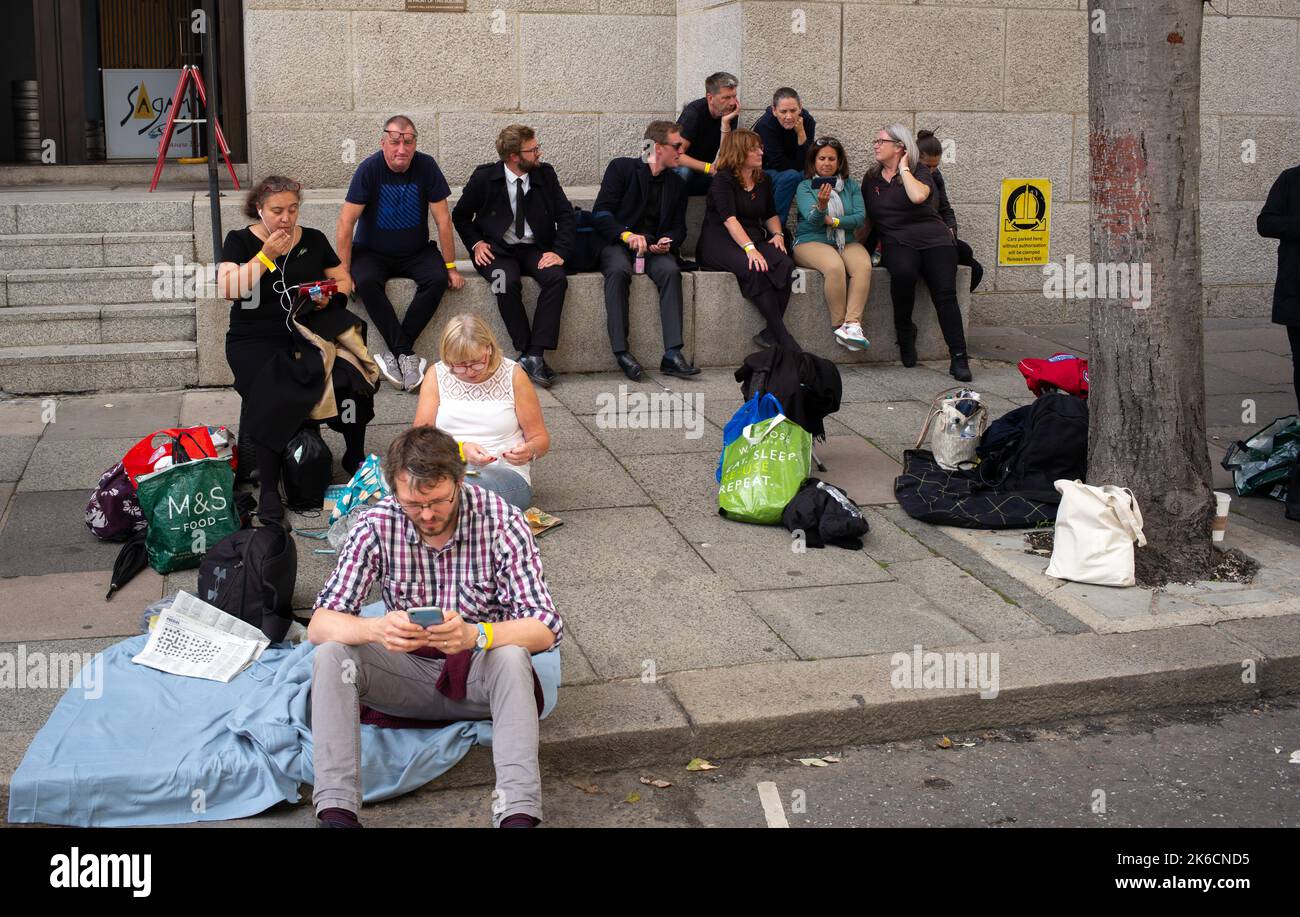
[130, 560]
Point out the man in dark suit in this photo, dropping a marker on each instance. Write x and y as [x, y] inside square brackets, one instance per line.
[641, 215]
[1280, 219]
[514, 218]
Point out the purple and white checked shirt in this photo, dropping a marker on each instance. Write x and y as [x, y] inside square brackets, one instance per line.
[489, 571]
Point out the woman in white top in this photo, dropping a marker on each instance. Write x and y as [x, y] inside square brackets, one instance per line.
[487, 403]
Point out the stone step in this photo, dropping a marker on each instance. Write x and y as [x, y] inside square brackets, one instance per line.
[130, 175]
[102, 285]
[718, 324]
[52, 251]
[26, 326]
[96, 211]
[66, 368]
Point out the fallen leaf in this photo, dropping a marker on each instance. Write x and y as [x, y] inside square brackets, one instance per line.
[964, 744]
[831, 759]
[633, 797]
[812, 762]
[589, 788]
[655, 781]
[945, 742]
[699, 764]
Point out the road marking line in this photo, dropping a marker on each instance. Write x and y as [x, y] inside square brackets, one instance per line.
[773, 810]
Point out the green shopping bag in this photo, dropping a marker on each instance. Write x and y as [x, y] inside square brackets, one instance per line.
[762, 470]
[189, 507]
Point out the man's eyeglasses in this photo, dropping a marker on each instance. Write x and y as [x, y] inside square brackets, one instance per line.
[474, 367]
[417, 508]
[676, 146]
[536, 149]
[399, 139]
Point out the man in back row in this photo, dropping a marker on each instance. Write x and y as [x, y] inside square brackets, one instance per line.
[514, 218]
[703, 122]
[385, 207]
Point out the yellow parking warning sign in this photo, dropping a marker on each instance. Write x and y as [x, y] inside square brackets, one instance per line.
[1024, 221]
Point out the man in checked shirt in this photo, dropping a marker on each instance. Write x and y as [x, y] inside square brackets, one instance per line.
[436, 541]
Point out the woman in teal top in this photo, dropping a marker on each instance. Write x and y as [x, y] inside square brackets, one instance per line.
[828, 217]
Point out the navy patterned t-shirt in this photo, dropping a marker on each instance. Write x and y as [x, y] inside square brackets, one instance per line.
[395, 221]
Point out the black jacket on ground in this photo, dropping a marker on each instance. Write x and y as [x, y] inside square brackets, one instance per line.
[483, 212]
[808, 386]
[1280, 219]
[622, 197]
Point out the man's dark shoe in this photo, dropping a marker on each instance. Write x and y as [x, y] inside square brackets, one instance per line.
[959, 368]
[538, 371]
[764, 339]
[907, 346]
[631, 368]
[674, 364]
[337, 818]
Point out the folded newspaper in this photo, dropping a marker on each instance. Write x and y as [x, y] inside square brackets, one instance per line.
[199, 640]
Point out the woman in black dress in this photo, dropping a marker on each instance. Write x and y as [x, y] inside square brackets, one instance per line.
[742, 234]
[899, 193]
[278, 373]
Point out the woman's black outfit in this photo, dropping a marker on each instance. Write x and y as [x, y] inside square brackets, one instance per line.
[917, 244]
[1280, 219]
[279, 374]
[768, 290]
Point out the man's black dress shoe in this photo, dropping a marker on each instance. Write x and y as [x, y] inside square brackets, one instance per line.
[675, 364]
[538, 371]
[764, 339]
[631, 368]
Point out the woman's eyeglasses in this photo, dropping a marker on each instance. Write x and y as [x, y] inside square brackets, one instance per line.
[878, 141]
[474, 367]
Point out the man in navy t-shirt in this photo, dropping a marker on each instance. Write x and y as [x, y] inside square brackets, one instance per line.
[385, 207]
[704, 122]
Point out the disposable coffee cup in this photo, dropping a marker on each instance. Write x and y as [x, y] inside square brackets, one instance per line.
[1221, 501]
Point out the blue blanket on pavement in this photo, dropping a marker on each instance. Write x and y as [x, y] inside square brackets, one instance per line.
[146, 748]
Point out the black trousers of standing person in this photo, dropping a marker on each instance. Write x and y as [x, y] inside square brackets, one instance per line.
[938, 267]
[372, 269]
[503, 275]
[616, 266]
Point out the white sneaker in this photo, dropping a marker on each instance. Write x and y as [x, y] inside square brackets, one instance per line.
[850, 335]
[389, 369]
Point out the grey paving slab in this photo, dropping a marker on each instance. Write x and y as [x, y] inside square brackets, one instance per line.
[864, 472]
[1263, 511]
[894, 382]
[46, 533]
[64, 606]
[1259, 365]
[664, 623]
[1234, 335]
[966, 600]
[583, 479]
[213, 407]
[25, 417]
[612, 544]
[831, 621]
[1003, 380]
[6, 491]
[886, 542]
[689, 432]
[13, 746]
[585, 393]
[1010, 344]
[680, 485]
[574, 667]
[393, 406]
[113, 416]
[894, 450]
[184, 581]
[15, 453]
[1073, 337]
[1226, 411]
[1275, 639]
[25, 709]
[567, 431]
[55, 465]
[1226, 382]
[885, 421]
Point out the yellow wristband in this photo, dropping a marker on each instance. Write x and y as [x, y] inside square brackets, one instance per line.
[626, 236]
[491, 639]
[708, 167]
[270, 265]
[835, 221]
[748, 246]
[460, 447]
[450, 265]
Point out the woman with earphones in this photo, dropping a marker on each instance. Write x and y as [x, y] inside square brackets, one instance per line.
[279, 374]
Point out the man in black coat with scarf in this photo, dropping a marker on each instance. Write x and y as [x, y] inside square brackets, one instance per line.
[641, 217]
[508, 240]
[1280, 219]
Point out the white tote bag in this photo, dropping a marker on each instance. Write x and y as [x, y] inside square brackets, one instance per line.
[962, 419]
[1095, 531]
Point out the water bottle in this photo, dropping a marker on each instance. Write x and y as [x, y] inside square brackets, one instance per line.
[639, 265]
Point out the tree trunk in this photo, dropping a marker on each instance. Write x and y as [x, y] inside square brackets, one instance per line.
[1147, 385]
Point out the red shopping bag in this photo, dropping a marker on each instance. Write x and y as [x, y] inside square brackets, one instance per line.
[1061, 370]
[166, 447]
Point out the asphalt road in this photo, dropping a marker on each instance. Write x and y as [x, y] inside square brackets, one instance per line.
[1227, 765]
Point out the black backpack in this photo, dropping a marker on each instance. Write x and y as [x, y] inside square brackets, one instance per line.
[826, 515]
[251, 575]
[307, 469]
[1052, 444]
